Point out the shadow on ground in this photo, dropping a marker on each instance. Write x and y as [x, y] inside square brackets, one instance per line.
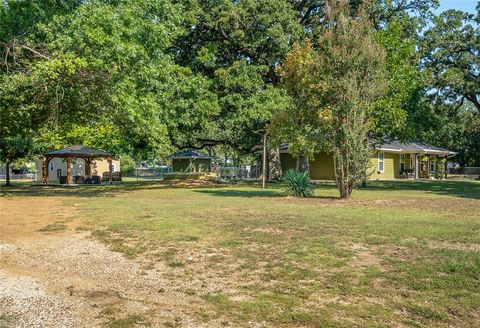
[74, 191]
[461, 189]
[454, 188]
[105, 190]
[224, 192]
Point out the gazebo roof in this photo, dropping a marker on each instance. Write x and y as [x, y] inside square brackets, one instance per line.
[190, 154]
[78, 151]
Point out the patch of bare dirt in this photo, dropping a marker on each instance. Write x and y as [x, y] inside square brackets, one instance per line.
[266, 230]
[456, 246]
[22, 218]
[364, 257]
[66, 279]
[193, 183]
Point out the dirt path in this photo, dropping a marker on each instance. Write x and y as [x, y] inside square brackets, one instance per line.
[64, 278]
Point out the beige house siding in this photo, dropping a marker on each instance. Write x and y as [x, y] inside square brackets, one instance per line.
[98, 167]
[322, 168]
[391, 167]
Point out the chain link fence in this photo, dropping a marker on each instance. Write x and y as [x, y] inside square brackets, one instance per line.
[468, 171]
[23, 176]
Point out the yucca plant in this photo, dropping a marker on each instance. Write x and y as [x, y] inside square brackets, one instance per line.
[297, 184]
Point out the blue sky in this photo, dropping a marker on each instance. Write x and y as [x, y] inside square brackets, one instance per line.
[464, 5]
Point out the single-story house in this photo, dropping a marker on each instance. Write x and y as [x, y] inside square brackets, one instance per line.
[77, 165]
[191, 161]
[390, 160]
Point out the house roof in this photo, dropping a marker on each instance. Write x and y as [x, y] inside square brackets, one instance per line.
[401, 147]
[190, 154]
[78, 151]
[414, 148]
[284, 147]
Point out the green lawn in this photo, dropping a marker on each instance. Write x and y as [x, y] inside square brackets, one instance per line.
[399, 253]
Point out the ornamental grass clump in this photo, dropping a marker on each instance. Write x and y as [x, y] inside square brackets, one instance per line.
[297, 184]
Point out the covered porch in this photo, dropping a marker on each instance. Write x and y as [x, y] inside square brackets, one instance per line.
[71, 155]
[419, 160]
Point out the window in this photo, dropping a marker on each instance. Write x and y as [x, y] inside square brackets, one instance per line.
[52, 167]
[432, 166]
[381, 162]
[402, 162]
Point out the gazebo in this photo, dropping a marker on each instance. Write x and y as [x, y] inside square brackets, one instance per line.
[73, 152]
[191, 161]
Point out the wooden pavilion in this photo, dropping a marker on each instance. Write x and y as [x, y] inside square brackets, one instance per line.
[73, 152]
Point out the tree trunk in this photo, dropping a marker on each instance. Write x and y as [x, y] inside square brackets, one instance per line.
[344, 188]
[340, 176]
[88, 168]
[69, 170]
[7, 173]
[303, 164]
[274, 164]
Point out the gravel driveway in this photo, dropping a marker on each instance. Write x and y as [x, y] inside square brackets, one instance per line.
[67, 279]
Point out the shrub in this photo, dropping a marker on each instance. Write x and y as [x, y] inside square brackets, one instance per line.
[297, 184]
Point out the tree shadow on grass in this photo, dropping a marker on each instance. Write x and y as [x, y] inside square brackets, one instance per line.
[226, 192]
[273, 190]
[454, 188]
[461, 189]
[103, 190]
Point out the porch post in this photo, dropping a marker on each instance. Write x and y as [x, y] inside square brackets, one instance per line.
[446, 166]
[110, 168]
[45, 170]
[416, 166]
[427, 163]
[69, 173]
[88, 169]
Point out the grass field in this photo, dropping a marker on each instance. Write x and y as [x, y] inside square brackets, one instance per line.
[399, 253]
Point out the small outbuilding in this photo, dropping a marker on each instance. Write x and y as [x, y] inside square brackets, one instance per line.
[191, 161]
[78, 165]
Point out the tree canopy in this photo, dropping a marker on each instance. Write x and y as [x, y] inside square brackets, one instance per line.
[147, 77]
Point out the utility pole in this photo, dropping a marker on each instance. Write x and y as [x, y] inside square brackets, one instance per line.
[264, 166]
